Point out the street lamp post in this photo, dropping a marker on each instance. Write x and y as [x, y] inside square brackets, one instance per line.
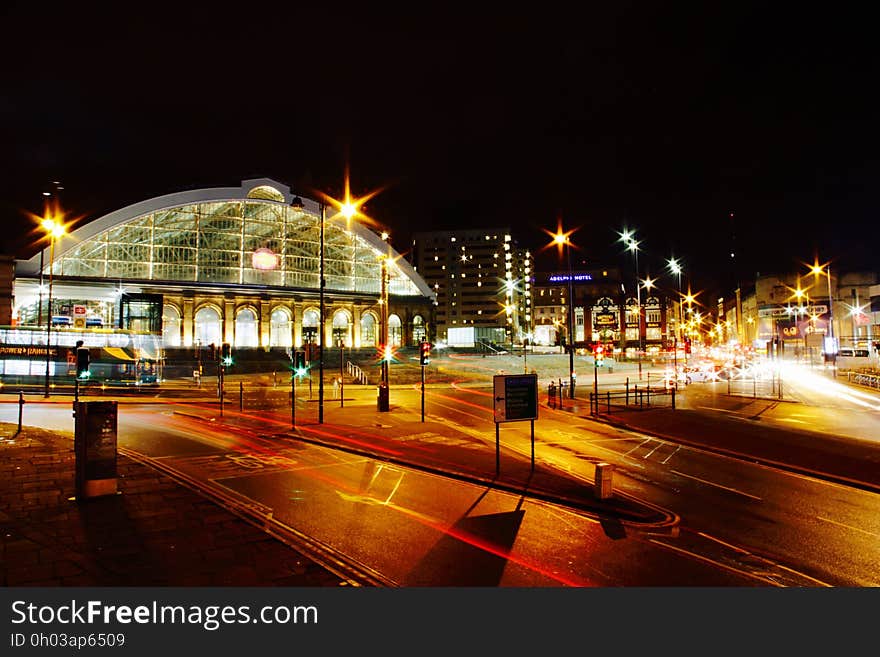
[562, 239]
[675, 268]
[826, 269]
[384, 392]
[55, 229]
[627, 238]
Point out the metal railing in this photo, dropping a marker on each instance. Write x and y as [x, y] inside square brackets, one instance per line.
[356, 373]
[637, 397]
[864, 379]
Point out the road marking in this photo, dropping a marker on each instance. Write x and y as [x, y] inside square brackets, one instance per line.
[718, 564]
[659, 445]
[713, 408]
[855, 529]
[671, 455]
[790, 419]
[646, 440]
[712, 483]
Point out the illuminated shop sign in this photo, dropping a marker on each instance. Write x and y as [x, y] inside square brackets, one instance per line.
[564, 278]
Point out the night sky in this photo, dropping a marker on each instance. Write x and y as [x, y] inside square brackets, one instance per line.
[664, 120]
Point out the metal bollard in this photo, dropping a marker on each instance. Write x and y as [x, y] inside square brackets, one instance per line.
[20, 407]
[240, 395]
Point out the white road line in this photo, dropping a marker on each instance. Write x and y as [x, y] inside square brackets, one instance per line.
[646, 440]
[855, 529]
[664, 461]
[712, 483]
[659, 445]
[717, 564]
[713, 408]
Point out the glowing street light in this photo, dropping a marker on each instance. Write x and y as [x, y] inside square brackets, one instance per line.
[562, 240]
[55, 229]
[817, 269]
[676, 268]
[348, 208]
[628, 239]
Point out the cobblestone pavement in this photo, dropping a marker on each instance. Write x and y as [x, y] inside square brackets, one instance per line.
[153, 532]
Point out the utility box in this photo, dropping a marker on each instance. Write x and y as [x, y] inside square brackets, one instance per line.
[94, 444]
[382, 397]
[604, 484]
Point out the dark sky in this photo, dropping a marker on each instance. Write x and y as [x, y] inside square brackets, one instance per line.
[662, 119]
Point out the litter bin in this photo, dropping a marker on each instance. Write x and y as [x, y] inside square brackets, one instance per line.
[604, 485]
[382, 397]
[94, 444]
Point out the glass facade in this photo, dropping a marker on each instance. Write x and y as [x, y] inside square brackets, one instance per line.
[215, 242]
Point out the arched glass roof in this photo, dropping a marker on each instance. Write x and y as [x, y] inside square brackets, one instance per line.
[211, 238]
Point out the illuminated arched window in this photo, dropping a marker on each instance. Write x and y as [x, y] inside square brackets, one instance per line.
[246, 334]
[279, 329]
[395, 332]
[368, 330]
[170, 326]
[419, 332]
[310, 327]
[341, 328]
[207, 327]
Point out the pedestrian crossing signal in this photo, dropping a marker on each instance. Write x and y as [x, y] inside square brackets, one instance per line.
[226, 354]
[82, 363]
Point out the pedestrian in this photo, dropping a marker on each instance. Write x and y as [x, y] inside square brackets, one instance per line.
[335, 387]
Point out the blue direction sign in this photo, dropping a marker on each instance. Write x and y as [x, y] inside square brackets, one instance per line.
[516, 397]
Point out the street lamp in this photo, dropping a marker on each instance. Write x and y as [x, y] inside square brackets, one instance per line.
[347, 209]
[561, 240]
[675, 267]
[627, 237]
[817, 269]
[54, 229]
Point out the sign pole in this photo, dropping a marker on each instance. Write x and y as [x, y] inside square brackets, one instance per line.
[497, 450]
[533, 444]
[423, 393]
[515, 399]
[293, 401]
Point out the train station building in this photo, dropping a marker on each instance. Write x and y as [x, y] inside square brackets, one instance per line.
[237, 265]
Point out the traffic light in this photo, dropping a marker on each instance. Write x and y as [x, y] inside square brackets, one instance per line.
[82, 363]
[299, 363]
[424, 353]
[226, 354]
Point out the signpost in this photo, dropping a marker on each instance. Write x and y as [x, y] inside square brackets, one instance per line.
[515, 399]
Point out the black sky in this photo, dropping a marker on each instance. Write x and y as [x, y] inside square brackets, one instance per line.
[662, 119]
